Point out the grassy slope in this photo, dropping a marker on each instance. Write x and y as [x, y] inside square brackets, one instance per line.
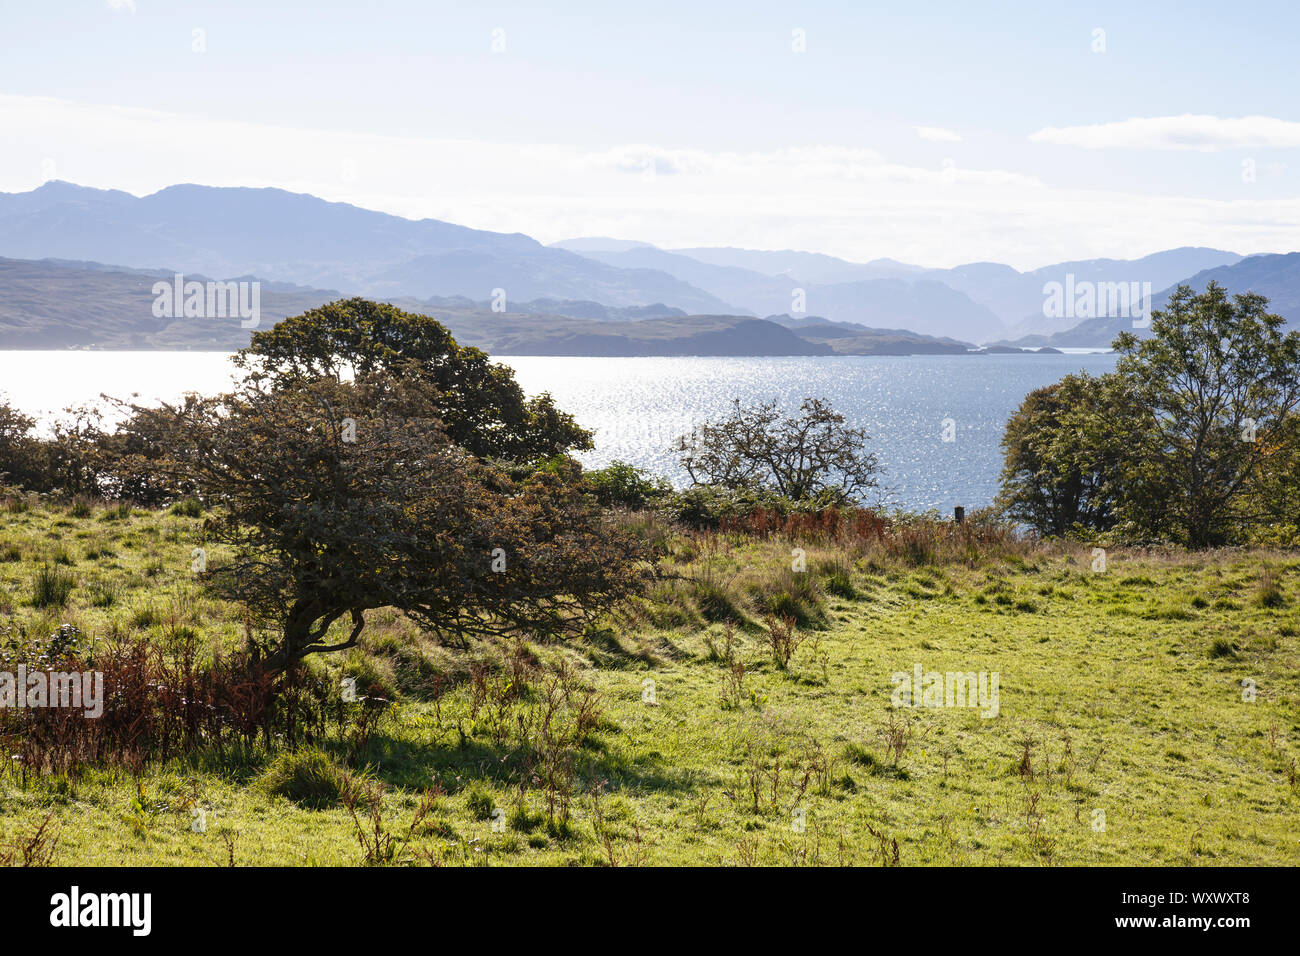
[1121, 662]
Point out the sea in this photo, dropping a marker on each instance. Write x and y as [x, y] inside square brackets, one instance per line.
[935, 422]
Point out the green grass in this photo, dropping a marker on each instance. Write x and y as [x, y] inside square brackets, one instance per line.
[1120, 695]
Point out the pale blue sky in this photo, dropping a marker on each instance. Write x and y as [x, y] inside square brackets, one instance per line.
[691, 123]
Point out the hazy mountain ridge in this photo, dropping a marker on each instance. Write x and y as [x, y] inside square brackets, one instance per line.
[297, 245]
[926, 307]
[696, 335]
[816, 267]
[982, 301]
[1162, 270]
[1275, 276]
[283, 236]
[52, 304]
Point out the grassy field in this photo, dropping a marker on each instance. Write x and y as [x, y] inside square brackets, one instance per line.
[1122, 735]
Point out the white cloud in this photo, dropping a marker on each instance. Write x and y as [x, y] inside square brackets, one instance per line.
[938, 134]
[847, 201]
[1188, 132]
[122, 5]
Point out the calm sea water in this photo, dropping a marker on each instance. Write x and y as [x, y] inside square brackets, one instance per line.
[637, 406]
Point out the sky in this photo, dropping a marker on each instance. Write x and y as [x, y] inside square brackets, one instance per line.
[934, 133]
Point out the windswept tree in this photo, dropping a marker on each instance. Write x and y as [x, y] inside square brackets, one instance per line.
[1211, 390]
[481, 406]
[339, 497]
[812, 456]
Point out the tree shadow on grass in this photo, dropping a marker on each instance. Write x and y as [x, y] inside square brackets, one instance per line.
[413, 766]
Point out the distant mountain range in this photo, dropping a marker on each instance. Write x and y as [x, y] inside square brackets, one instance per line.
[299, 245]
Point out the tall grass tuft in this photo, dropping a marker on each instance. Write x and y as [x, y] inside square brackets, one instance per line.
[1269, 594]
[716, 601]
[51, 587]
[310, 778]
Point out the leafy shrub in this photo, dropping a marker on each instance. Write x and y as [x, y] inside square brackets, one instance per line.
[187, 508]
[709, 507]
[623, 485]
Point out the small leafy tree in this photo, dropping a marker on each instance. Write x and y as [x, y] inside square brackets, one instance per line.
[619, 484]
[1060, 459]
[812, 456]
[69, 459]
[21, 459]
[339, 497]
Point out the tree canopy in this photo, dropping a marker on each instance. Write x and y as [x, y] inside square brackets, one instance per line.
[481, 406]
